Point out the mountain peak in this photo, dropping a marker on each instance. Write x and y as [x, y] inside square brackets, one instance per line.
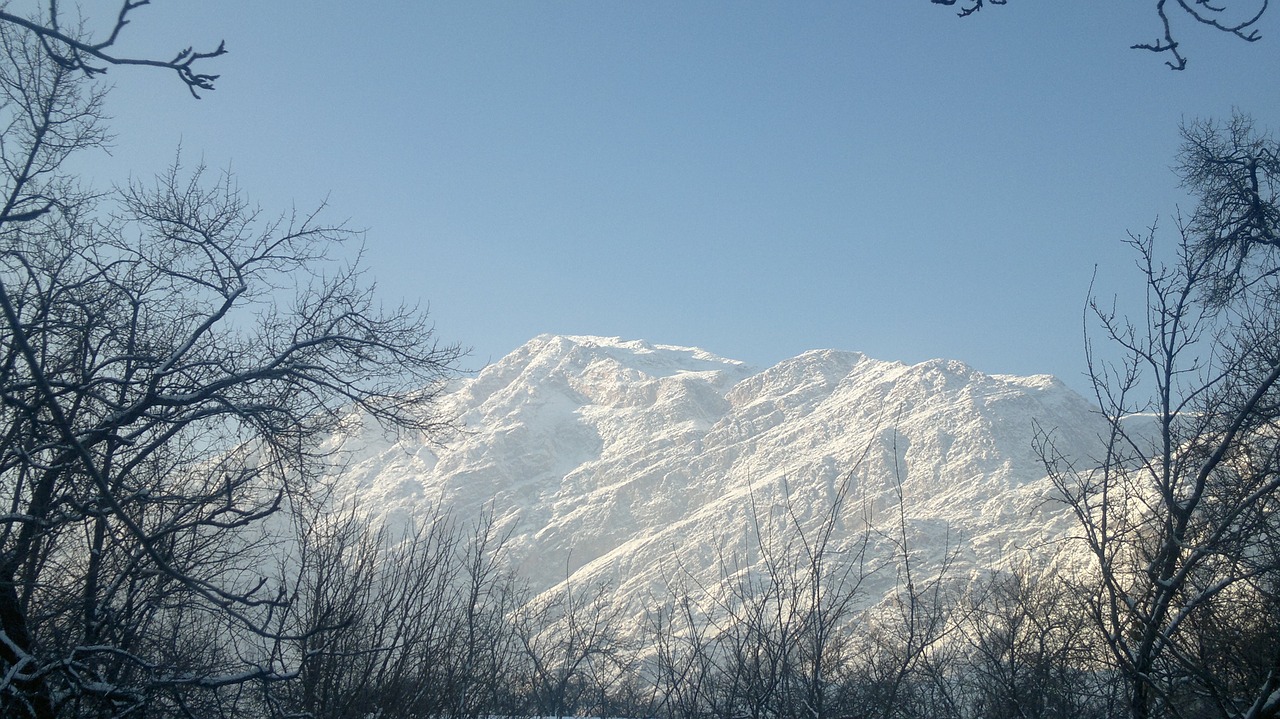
[572, 352]
[601, 342]
[603, 452]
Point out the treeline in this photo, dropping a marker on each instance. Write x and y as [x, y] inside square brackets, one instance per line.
[432, 624]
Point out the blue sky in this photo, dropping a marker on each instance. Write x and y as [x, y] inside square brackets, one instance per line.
[754, 178]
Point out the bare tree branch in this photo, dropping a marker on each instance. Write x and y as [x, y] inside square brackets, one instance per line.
[74, 53]
[1238, 18]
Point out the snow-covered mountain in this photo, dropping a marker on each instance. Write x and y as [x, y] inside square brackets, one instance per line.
[649, 465]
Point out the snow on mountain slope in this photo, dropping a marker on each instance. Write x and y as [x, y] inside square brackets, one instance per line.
[649, 464]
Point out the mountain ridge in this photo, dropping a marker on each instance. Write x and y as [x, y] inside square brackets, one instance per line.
[613, 460]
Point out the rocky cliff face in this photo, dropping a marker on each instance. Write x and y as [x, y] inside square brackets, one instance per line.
[649, 465]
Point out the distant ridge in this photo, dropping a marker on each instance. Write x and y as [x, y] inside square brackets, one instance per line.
[633, 462]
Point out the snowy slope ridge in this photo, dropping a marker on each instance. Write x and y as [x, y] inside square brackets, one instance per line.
[647, 465]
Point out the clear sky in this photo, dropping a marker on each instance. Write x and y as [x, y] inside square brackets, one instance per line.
[755, 178]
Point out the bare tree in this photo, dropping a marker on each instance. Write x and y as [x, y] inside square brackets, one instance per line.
[1028, 651]
[166, 371]
[573, 650]
[1181, 519]
[903, 648]
[1234, 170]
[684, 662]
[69, 48]
[409, 625]
[1238, 18]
